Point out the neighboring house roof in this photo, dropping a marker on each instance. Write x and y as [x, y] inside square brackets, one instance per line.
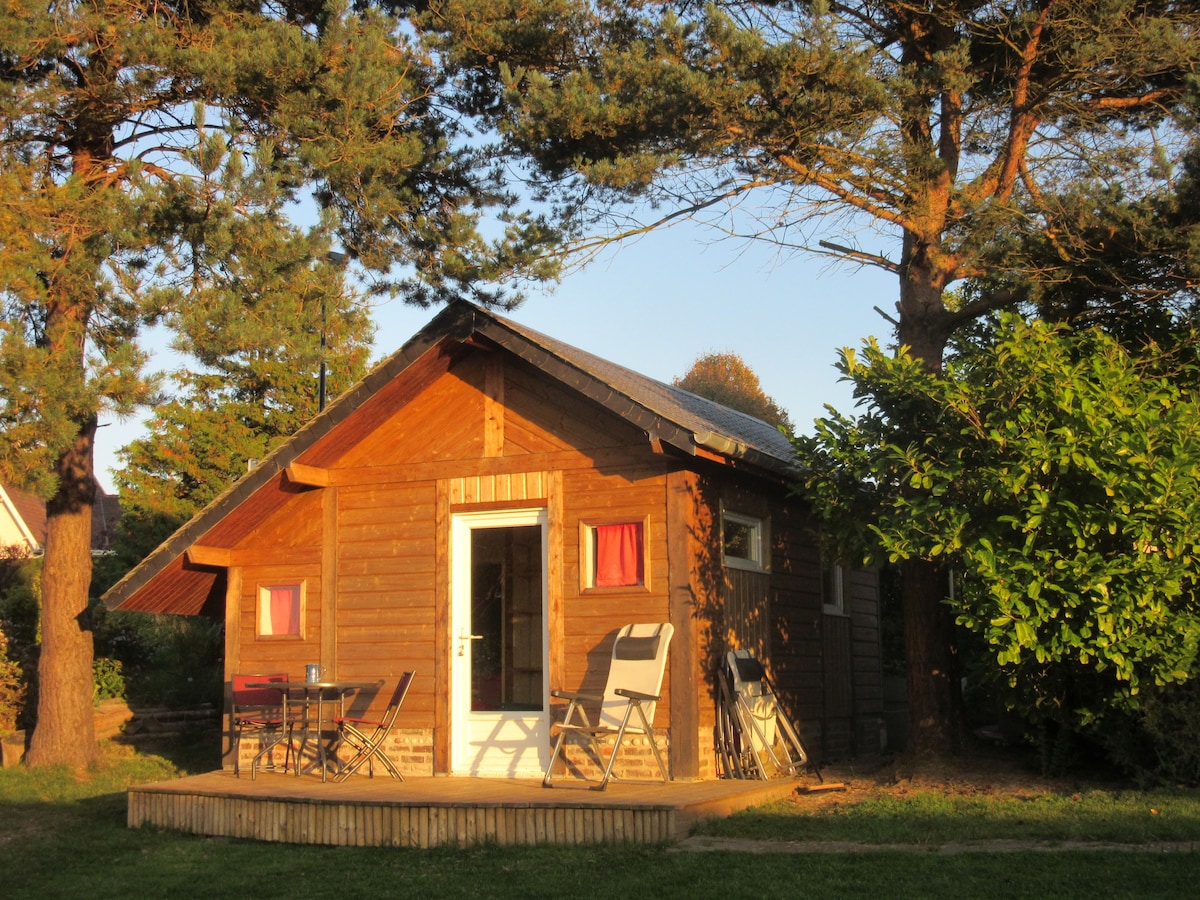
[23, 517]
[105, 515]
[668, 415]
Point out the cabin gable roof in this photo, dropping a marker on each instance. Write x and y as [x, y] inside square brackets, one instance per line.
[167, 581]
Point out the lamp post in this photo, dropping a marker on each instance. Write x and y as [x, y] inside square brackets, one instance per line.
[321, 372]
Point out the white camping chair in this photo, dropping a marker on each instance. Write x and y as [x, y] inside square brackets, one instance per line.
[635, 674]
[757, 740]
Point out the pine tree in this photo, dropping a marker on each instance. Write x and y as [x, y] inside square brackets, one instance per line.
[951, 128]
[117, 122]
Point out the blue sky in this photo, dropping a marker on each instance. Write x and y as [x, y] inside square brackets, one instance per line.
[657, 304]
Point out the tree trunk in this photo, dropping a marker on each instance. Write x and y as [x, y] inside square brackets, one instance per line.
[65, 731]
[937, 719]
[936, 712]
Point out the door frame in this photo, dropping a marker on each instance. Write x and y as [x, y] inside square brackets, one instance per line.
[463, 722]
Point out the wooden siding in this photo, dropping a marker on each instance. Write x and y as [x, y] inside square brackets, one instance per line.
[368, 528]
[747, 612]
[826, 667]
[382, 523]
[592, 617]
[865, 647]
[839, 667]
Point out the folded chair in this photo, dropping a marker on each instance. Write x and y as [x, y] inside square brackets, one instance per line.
[755, 738]
[366, 736]
[261, 712]
[635, 674]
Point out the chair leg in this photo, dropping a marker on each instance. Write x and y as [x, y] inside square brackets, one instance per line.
[547, 779]
[584, 727]
[647, 730]
[366, 750]
[615, 750]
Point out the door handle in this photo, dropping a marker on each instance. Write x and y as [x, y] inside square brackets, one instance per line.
[462, 642]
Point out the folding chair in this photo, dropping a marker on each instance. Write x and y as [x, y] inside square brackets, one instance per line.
[756, 739]
[365, 742]
[259, 711]
[635, 674]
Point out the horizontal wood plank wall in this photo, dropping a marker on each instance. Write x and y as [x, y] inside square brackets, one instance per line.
[444, 422]
[390, 570]
[261, 655]
[594, 616]
[837, 729]
[387, 562]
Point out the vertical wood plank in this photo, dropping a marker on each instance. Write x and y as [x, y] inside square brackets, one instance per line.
[555, 612]
[493, 406]
[689, 602]
[329, 579]
[441, 631]
[233, 654]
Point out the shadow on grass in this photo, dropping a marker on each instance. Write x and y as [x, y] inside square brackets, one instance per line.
[189, 754]
[932, 818]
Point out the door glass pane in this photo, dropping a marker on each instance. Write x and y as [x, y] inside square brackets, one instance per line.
[506, 619]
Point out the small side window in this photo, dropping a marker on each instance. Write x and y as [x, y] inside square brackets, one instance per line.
[281, 610]
[613, 554]
[833, 588]
[742, 541]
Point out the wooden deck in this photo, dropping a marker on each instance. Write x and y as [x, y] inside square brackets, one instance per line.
[432, 811]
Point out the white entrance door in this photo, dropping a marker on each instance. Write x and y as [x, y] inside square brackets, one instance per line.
[499, 696]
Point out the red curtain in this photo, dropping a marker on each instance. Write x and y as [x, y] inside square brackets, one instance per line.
[619, 555]
[285, 611]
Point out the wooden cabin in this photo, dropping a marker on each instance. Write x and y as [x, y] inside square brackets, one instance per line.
[444, 516]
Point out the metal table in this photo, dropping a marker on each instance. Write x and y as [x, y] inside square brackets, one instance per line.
[308, 694]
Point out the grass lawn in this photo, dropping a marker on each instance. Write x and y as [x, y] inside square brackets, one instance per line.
[62, 836]
[927, 817]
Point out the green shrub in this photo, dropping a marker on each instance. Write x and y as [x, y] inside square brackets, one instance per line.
[1159, 743]
[20, 609]
[108, 679]
[12, 688]
[172, 661]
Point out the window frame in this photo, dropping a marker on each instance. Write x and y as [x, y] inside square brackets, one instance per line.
[587, 561]
[262, 599]
[757, 525]
[834, 579]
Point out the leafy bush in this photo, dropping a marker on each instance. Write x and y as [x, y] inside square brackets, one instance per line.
[1160, 741]
[108, 680]
[19, 621]
[12, 688]
[173, 661]
[1057, 473]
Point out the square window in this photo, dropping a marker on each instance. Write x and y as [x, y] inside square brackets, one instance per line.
[281, 610]
[742, 541]
[613, 554]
